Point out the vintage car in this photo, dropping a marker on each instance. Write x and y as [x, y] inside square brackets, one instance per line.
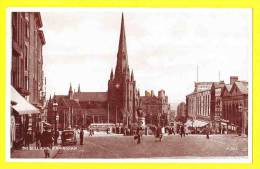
[68, 137]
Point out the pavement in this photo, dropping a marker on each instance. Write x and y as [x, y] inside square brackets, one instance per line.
[102, 145]
[172, 146]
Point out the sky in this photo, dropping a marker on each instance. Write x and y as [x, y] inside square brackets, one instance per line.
[164, 47]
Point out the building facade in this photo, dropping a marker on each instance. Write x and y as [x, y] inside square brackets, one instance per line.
[181, 109]
[156, 108]
[214, 105]
[205, 104]
[235, 106]
[27, 76]
[122, 93]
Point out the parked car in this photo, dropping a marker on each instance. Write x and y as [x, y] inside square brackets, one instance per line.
[68, 137]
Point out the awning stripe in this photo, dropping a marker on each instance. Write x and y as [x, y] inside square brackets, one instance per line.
[22, 106]
[196, 123]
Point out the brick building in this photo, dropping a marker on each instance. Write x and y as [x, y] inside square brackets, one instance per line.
[181, 109]
[122, 95]
[116, 105]
[235, 105]
[215, 104]
[27, 77]
[204, 104]
[156, 108]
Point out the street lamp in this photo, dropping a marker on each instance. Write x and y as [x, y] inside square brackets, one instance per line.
[55, 108]
[192, 122]
[240, 109]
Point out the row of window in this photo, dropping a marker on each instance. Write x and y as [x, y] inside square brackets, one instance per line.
[199, 105]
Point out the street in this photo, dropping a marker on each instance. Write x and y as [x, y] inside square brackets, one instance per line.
[171, 146]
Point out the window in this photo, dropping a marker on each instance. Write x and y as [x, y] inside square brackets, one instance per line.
[27, 29]
[15, 26]
[26, 58]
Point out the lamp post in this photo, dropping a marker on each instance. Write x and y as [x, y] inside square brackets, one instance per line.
[159, 119]
[192, 122]
[55, 108]
[240, 109]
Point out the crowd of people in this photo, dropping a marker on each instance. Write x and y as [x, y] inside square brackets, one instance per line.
[49, 137]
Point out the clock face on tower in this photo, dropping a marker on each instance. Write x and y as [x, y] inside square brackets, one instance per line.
[117, 85]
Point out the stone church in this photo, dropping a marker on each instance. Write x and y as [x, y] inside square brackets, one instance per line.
[117, 105]
[122, 93]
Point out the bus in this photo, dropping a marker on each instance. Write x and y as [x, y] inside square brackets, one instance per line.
[101, 126]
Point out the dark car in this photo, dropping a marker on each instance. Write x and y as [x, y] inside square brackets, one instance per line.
[68, 137]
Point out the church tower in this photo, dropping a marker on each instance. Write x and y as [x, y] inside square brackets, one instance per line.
[121, 86]
[70, 93]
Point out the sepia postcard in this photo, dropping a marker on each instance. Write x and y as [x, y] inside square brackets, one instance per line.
[129, 85]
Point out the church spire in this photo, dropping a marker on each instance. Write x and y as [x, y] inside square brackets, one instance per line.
[122, 39]
[79, 88]
[111, 74]
[70, 90]
[122, 60]
[132, 75]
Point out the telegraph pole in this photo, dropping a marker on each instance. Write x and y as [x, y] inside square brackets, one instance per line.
[107, 113]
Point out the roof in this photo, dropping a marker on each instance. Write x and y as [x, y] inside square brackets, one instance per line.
[204, 86]
[228, 86]
[201, 91]
[65, 99]
[57, 97]
[242, 86]
[91, 96]
[149, 99]
[72, 103]
[96, 111]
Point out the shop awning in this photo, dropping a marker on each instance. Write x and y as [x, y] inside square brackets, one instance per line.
[22, 106]
[196, 123]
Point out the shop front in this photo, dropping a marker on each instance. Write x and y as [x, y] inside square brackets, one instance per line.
[24, 118]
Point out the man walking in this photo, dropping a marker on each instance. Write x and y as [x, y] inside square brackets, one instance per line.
[138, 135]
[37, 137]
[81, 136]
[27, 139]
[46, 142]
[182, 132]
[56, 136]
[207, 132]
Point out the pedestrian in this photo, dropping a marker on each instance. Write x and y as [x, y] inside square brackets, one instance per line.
[173, 130]
[28, 139]
[182, 133]
[125, 129]
[139, 130]
[90, 132]
[239, 131]
[46, 142]
[37, 139]
[81, 136]
[207, 132]
[158, 133]
[56, 136]
[108, 130]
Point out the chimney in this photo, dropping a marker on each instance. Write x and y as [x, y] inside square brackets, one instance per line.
[152, 93]
[147, 93]
[233, 79]
[161, 93]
